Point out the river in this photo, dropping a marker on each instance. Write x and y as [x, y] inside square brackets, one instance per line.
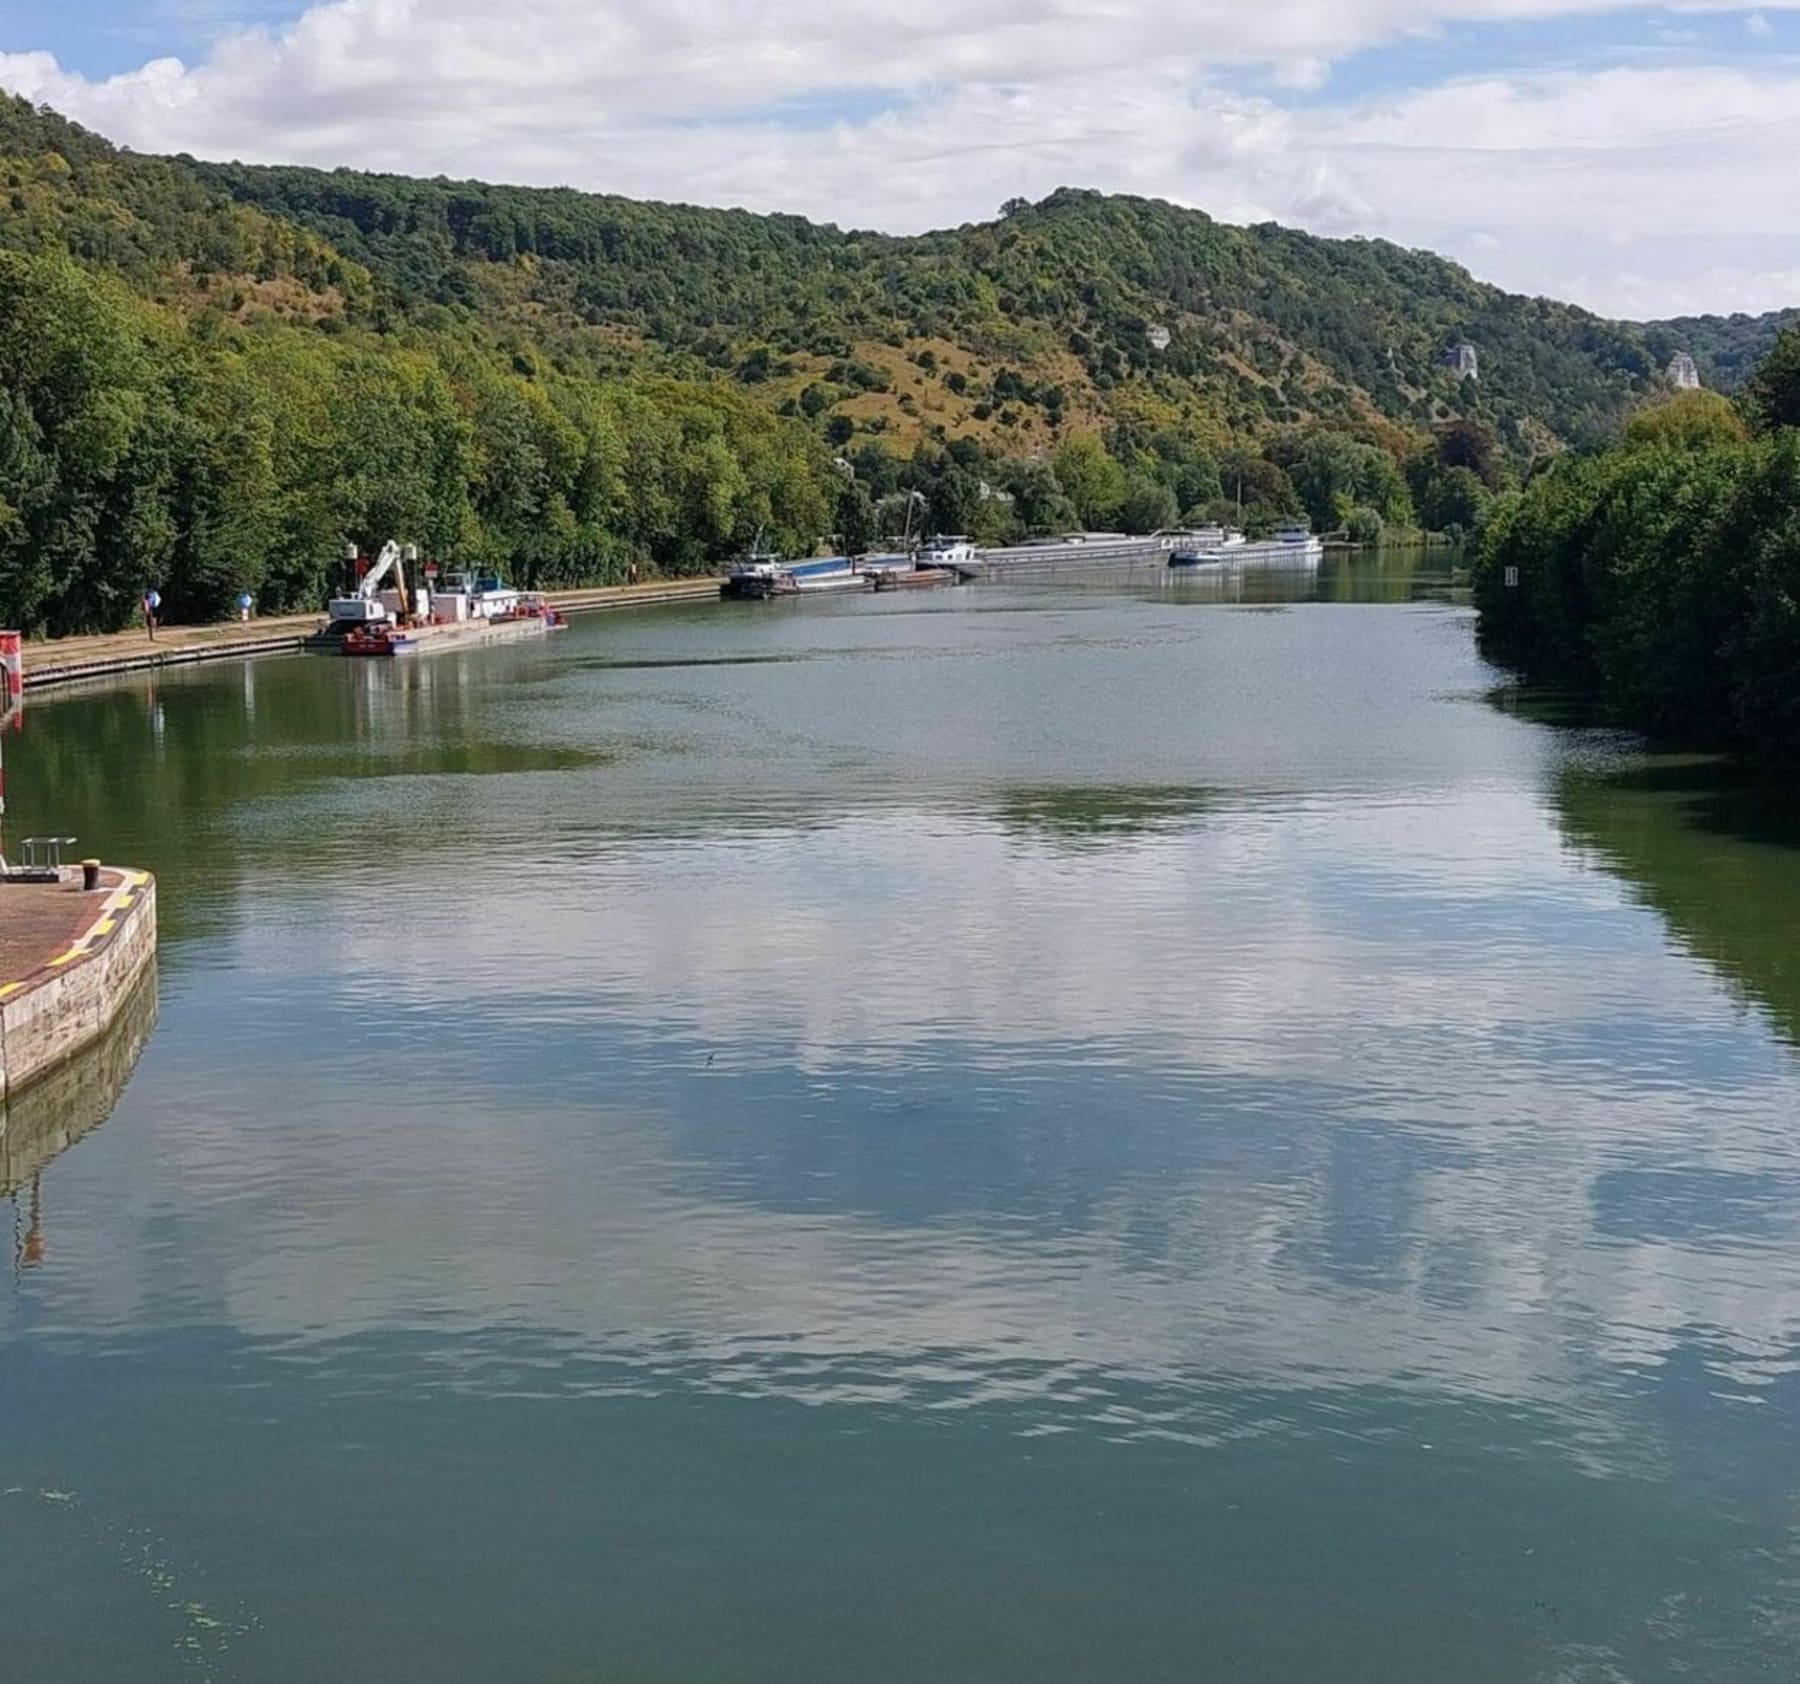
[1039, 1133]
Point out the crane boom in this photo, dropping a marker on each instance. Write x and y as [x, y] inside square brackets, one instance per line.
[364, 607]
[384, 564]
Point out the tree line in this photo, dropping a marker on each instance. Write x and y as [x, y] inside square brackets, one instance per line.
[211, 377]
[139, 447]
[1663, 574]
[143, 446]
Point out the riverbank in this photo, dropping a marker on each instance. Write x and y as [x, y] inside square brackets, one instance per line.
[71, 659]
[69, 960]
[1659, 580]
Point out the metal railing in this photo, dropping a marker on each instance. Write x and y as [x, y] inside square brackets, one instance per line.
[44, 853]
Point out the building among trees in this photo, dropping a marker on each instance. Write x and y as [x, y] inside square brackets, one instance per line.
[1461, 360]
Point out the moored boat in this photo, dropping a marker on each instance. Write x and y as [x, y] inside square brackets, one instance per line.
[1291, 546]
[943, 561]
[911, 578]
[465, 608]
[753, 577]
[530, 617]
[954, 552]
[1207, 546]
[828, 573]
[761, 575]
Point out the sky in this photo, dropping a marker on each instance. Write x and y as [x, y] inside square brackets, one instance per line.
[1638, 160]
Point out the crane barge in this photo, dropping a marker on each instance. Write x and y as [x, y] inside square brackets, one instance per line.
[378, 619]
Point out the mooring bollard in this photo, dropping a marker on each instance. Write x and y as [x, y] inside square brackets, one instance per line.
[90, 875]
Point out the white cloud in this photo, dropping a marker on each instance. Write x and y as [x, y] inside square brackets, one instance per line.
[1633, 190]
[1627, 189]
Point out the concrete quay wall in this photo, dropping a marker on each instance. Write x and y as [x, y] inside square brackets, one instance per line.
[70, 998]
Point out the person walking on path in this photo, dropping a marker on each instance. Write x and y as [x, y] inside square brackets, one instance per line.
[152, 605]
[244, 604]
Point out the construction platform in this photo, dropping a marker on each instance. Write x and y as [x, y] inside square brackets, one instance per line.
[69, 959]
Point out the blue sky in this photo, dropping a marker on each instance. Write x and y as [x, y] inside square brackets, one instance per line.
[1575, 42]
[1632, 158]
[102, 38]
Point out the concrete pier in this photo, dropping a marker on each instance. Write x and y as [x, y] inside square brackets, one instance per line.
[69, 961]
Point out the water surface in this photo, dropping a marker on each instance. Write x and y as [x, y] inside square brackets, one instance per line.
[1038, 1133]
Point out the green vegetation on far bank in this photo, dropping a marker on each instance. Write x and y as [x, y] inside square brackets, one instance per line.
[212, 375]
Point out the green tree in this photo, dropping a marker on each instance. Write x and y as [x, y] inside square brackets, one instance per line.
[1040, 504]
[1773, 395]
[1092, 480]
[1470, 444]
[1148, 506]
[1688, 421]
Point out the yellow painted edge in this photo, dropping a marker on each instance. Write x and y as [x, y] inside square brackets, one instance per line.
[105, 927]
[64, 958]
[140, 878]
[124, 900]
[10, 988]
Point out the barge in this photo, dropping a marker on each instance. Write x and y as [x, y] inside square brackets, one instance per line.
[1207, 546]
[760, 576]
[1217, 547]
[466, 608]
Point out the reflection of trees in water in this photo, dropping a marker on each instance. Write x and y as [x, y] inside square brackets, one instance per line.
[1078, 813]
[155, 770]
[1714, 849]
[76, 1097]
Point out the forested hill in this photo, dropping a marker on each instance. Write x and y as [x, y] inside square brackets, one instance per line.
[1727, 349]
[1047, 315]
[210, 375]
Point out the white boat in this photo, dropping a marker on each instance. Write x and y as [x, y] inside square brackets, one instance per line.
[1291, 546]
[761, 575]
[954, 552]
[753, 577]
[1206, 546]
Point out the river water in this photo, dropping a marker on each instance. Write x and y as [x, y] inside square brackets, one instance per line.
[1030, 1133]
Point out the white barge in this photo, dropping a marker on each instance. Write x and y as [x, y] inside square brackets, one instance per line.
[1214, 548]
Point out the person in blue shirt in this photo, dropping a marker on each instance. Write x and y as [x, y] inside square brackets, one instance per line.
[244, 606]
[152, 607]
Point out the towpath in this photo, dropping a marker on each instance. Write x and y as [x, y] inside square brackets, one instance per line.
[65, 659]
